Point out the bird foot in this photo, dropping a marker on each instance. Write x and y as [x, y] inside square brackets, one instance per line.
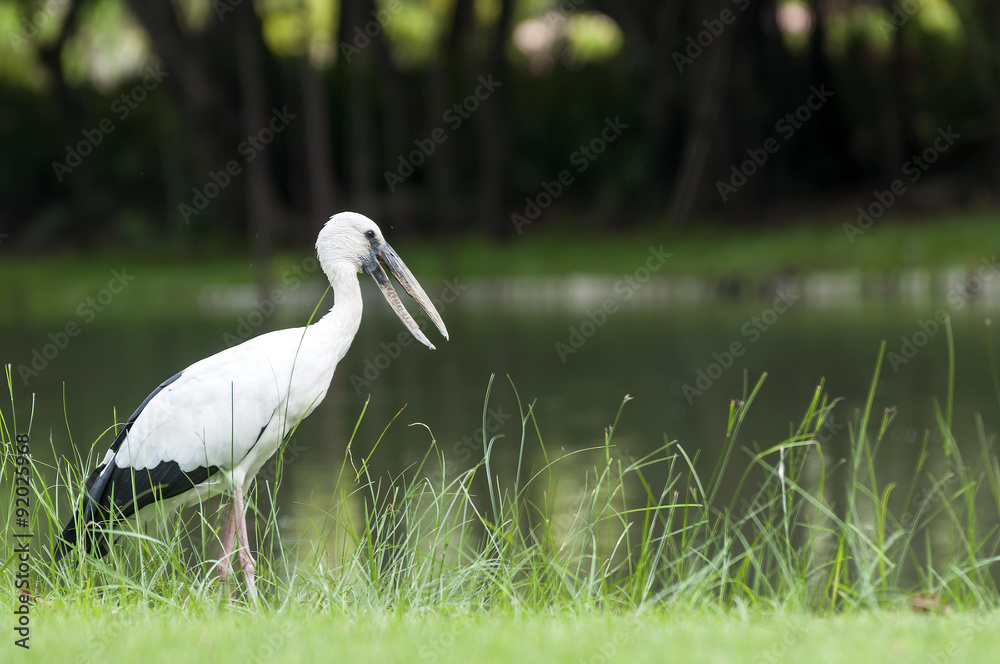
[249, 572]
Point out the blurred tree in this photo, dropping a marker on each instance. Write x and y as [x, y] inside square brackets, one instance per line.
[493, 129]
[320, 171]
[360, 104]
[201, 82]
[261, 202]
[700, 85]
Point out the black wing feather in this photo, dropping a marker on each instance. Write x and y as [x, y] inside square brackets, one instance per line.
[113, 493]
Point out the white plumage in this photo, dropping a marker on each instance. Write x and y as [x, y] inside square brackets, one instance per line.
[211, 427]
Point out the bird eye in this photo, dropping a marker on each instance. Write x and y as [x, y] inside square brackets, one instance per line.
[370, 235]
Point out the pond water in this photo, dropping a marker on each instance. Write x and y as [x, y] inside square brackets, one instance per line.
[681, 363]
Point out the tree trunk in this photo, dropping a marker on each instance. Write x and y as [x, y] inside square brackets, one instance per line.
[443, 76]
[652, 33]
[320, 173]
[828, 133]
[705, 114]
[983, 28]
[398, 131]
[189, 77]
[360, 139]
[204, 98]
[261, 205]
[50, 55]
[493, 130]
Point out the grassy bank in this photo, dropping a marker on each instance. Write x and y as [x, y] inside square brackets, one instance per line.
[803, 533]
[52, 285]
[812, 559]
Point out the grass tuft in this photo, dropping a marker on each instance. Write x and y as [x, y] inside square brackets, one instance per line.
[786, 526]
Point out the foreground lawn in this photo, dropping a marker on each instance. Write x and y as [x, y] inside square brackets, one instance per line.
[298, 634]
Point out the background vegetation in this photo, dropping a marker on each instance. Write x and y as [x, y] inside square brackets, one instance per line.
[114, 114]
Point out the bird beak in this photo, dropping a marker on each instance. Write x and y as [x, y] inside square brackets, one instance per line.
[409, 283]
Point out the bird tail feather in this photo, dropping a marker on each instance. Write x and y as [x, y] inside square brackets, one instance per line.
[93, 516]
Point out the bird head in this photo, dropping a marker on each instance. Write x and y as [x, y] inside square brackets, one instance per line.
[354, 239]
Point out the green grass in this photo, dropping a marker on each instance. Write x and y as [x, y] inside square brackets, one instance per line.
[54, 285]
[302, 635]
[711, 250]
[812, 558]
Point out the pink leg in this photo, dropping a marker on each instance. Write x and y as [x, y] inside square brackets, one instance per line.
[225, 561]
[246, 560]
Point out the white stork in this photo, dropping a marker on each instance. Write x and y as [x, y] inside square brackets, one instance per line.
[210, 428]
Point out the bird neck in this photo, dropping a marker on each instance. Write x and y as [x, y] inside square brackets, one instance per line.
[326, 341]
[344, 317]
